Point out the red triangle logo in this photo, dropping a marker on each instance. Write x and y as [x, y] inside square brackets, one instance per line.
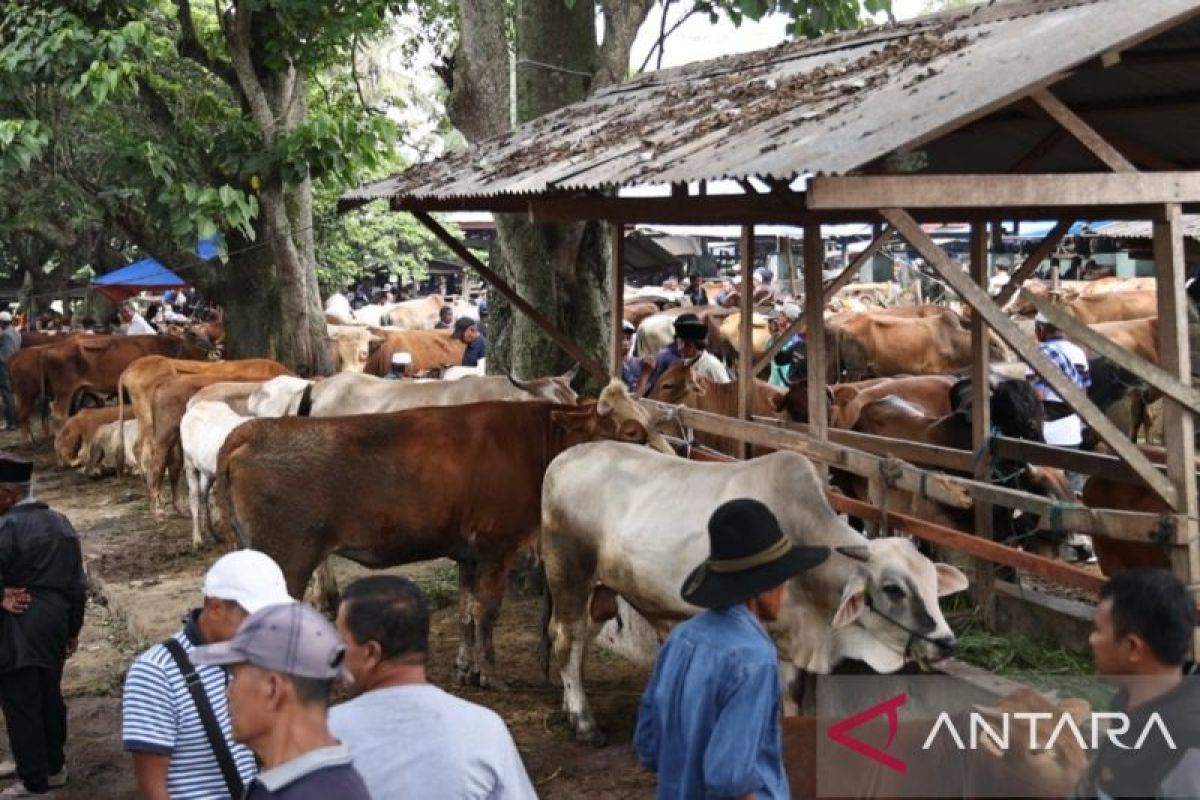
[840, 732]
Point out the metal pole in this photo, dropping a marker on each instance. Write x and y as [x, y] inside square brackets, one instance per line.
[616, 295]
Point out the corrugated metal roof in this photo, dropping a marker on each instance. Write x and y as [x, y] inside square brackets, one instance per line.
[830, 105]
[1137, 229]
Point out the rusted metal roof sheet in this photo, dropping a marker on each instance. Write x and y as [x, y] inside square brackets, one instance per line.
[828, 106]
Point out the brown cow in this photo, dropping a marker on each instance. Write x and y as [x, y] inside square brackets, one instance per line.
[72, 438]
[235, 394]
[462, 482]
[915, 346]
[634, 313]
[25, 373]
[35, 338]
[429, 349]
[92, 365]
[1113, 306]
[680, 385]
[138, 380]
[930, 393]
[1138, 336]
[415, 315]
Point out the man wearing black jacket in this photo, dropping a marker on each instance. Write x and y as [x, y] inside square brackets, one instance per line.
[44, 591]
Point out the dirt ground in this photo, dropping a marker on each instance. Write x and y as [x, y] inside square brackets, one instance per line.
[144, 576]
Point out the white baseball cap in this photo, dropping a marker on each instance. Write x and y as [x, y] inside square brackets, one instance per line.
[401, 359]
[5, 316]
[249, 578]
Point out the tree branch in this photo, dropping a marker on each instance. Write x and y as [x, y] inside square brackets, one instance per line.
[189, 47]
[235, 23]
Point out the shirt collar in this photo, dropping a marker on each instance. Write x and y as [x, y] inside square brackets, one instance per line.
[743, 615]
[321, 758]
[191, 627]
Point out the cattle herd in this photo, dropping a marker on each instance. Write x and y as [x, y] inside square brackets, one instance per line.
[387, 472]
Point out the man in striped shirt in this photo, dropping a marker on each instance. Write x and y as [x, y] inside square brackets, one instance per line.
[161, 725]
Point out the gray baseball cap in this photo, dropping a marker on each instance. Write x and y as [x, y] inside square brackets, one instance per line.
[289, 637]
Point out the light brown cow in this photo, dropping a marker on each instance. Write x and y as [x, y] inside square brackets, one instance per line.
[1138, 336]
[72, 438]
[92, 365]
[139, 378]
[429, 350]
[415, 315]
[894, 345]
[731, 326]
[351, 346]
[1113, 306]
[235, 394]
[25, 374]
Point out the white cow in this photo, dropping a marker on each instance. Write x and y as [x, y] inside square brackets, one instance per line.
[626, 520]
[100, 454]
[356, 393]
[278, 397]
[202, 431]
[370, 314]
[656, 332]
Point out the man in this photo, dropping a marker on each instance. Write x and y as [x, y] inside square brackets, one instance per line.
[632, 369]
[695, 290]
[175, 754]
[467, 330]
[999, 279]
[135, 324]
[284, 661]
[44, 593]
[709, 718]
[407, 736]
[483, 316]
[691, 344]
[1140, 638]
[725, 294]
[1063, 427]
[445, 318]
[10, 343]
[789, 364]
[401, 364]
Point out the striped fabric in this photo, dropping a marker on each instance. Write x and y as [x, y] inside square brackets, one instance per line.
[1071, 361]
[159, 716]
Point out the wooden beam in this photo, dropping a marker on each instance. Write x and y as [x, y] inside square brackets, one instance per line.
[1012, 335]
[1080, 461]
[616, 295]
[746, 331]
[1152, 374]
[981, 418]
[814, 340]
[1083, 132]
[1179, 423]
[846, 276]
[790, 264]
[499, 284]
[1039, 254]
[1001, 191]
[1035, 154]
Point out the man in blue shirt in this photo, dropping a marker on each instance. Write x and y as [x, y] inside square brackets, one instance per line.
[467, 330]
[709, 718]
[690, 333]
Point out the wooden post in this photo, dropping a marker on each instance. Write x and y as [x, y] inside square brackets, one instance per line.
[1039, 254]
[981, 422]
[814, 337]
[616, 295]
[791, 264]
[745, 335]
[1178, 420]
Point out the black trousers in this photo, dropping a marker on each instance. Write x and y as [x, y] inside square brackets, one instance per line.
[36, 716]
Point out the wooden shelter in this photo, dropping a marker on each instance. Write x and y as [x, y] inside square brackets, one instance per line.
[1026, 110]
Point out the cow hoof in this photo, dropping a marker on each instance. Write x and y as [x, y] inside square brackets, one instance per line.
[492, 682]
[469, 677]
[593, 736]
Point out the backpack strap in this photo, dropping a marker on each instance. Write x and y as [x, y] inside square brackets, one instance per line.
[208, 718]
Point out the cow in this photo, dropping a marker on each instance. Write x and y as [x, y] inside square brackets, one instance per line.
[731, 331]
[351, 346]
[161, 450]
[202, 431]
[278, 397]
[1137, 336]
[930, 393]
[92, 366]
[891, 345]
[634, 313]
[351, 393]
[72, 438]
[25, 374]
[35, 338]
[139, 378]
[235, 394]
[101, 453]
[415, 315]
[429, 350]
[415, 492]
[1027, 767]
[679, 385]
[619, 520]
[1113, 306]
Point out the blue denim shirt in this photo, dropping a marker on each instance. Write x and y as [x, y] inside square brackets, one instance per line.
[662, 362]
[709, 718]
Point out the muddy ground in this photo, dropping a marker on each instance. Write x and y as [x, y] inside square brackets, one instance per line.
[144, 576]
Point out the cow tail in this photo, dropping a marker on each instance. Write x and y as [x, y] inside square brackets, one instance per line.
[222, 490]
[543, 649]
[305, 407]
[120, 455]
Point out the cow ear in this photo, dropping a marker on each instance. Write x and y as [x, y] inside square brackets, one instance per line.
[603, 407]
[777, 401]
[854, 601]
[570, 374]
[696, 384]
[570, 421]
[949, 580]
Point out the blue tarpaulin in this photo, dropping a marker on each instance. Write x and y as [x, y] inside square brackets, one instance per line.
[146, 275]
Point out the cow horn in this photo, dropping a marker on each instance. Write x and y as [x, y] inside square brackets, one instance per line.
[518, 383]
[570, 374]
[859, 552]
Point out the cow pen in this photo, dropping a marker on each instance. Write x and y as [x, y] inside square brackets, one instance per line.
[978, 116]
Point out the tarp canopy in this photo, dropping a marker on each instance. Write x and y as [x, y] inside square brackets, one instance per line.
[146, 275]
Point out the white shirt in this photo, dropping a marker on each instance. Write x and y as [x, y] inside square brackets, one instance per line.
[139, 327]
[418, 739]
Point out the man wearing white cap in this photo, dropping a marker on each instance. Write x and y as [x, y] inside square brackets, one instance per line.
[401, 364]
[10, 343]
[1062, 428]
[175, 716]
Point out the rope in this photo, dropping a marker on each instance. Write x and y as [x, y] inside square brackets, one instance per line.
[554, 67]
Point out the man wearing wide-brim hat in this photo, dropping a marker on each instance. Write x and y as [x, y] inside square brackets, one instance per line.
[691, 345]
[709, 718]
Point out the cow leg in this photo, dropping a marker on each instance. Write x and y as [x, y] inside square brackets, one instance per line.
[175, 465]
[468, 572]
[196, 501]
[493, 580]
[571, 632]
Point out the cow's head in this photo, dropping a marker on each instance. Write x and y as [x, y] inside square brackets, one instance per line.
[1027, 767]
[276, 397]
[793, 404]
[1015, 410]
[676, 384]
[889, 610]
[556, 390]
[615, 415]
